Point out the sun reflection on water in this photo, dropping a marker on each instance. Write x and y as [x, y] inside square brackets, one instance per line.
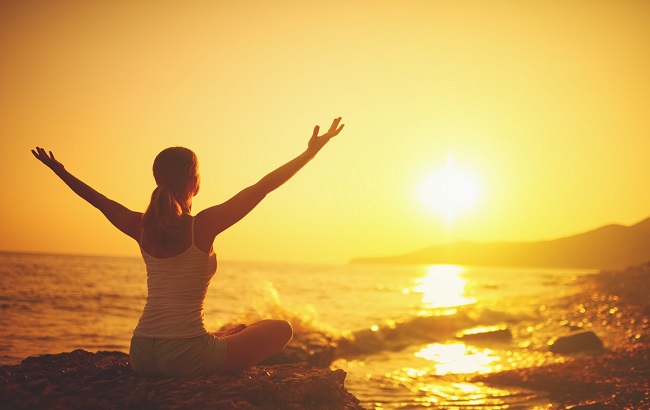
[443, 286]
[459, 358]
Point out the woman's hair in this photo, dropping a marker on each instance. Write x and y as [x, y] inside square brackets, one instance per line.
[176, 171]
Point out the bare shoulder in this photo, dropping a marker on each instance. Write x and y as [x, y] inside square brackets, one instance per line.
[207, 217]
[204, 228]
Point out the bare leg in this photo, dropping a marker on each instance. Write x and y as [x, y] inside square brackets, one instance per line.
[230, 331]
[255, 343]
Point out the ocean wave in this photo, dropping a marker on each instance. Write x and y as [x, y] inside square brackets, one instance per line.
[394, 336]
[471, 323]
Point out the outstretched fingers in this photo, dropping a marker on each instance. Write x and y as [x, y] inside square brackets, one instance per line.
[318, 141]
[39, 153]
[335, 124]
[46, 158]
[335, 128]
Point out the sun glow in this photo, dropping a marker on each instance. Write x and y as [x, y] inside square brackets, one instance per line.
[449, 191]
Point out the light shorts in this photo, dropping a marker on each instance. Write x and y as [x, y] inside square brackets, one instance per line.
[197, 356]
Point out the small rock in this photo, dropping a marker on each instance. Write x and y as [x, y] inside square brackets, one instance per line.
[576, 342]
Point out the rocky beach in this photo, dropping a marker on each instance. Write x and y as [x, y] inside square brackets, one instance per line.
[105, 380]
[616, 376]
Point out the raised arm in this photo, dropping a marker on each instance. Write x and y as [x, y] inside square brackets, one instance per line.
[220, 217]
[122, 218]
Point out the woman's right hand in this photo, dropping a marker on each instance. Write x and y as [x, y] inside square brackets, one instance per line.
[46, 159]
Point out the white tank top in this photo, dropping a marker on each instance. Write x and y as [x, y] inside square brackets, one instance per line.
[176, 289]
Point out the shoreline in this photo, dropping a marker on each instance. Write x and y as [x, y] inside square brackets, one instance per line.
[612, 303]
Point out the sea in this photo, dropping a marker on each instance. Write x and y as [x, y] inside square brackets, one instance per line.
[410, 336]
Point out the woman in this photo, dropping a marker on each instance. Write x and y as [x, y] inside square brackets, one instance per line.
[170, 338]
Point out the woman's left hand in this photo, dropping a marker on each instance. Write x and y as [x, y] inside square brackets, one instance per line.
[46, 159]
[316, 142]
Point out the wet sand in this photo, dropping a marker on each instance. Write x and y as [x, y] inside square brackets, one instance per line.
[615, 305]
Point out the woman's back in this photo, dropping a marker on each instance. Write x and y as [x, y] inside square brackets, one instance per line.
[177, 283]
[191, 231]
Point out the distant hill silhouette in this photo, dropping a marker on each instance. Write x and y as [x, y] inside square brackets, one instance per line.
[607, 247]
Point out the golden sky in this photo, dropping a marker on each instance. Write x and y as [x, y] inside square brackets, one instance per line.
[543, 105]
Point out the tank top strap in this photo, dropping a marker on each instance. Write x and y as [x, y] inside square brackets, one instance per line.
[193, 218]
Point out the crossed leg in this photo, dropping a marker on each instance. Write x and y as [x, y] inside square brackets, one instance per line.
[255, 343]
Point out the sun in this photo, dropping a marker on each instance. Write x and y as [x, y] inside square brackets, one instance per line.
[449, 191]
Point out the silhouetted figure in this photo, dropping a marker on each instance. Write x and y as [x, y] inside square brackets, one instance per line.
[170, 338]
